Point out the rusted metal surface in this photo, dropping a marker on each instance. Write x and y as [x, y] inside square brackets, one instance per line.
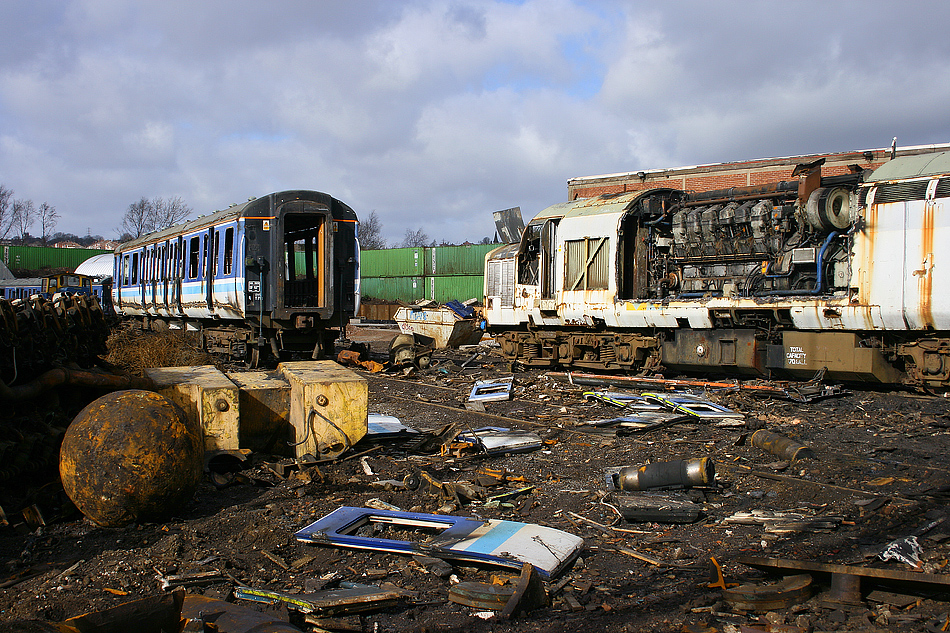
[781, 446]
[747, 281]
[130, 456]
[785, 593]
[231, 618]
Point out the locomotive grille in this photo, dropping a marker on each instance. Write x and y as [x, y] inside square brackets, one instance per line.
[901, 191]
[943, 188]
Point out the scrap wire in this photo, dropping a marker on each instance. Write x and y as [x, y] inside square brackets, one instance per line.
[312, 432]
[614, 508]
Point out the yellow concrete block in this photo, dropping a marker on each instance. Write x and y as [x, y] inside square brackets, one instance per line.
[265, 412]
[328, 405]
[208, 397]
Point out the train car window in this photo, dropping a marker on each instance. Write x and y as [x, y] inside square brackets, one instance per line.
[228, 250]
[193, 257]
[135, 268]
[216, 250]
[125, 271]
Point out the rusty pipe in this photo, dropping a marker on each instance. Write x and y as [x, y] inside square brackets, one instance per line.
[62, 376]
[680, 473]
[781, 446]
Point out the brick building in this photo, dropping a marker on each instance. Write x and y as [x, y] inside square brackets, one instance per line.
[738, 174]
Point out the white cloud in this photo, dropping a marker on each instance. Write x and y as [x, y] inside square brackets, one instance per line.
[435, 113]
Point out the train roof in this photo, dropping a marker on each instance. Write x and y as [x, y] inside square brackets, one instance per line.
[97, 265]
[236, 211]
[600, 205]
[917, 166]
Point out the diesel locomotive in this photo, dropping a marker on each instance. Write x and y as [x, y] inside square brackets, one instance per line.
[840, 274]
[274, 277]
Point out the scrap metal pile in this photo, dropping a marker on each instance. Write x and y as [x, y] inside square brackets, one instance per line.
[483, 497]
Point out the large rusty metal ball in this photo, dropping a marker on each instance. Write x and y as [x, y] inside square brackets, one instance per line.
[131, 456]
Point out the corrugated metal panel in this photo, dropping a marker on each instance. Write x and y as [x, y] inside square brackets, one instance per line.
[405, 289]
[393, 262]
[586, 264]
[455, 287]
[37, 257]
[468, 259]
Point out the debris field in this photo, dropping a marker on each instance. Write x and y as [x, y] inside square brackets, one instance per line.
[833, 518]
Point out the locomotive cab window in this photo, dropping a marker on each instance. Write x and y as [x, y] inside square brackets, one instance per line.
[305, 238]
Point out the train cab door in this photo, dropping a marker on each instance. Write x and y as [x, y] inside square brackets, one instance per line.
[178, 268]
[163, 274]
[547, 252]
[152, 277]
[210, 267]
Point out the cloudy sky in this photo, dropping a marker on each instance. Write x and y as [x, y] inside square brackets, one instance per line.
[435, 113]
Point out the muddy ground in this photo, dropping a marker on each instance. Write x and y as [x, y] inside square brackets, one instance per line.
[880, 473]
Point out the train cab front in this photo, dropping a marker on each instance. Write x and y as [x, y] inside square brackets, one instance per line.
[301, 272]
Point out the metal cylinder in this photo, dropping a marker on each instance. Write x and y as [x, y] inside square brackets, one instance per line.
[781, 446]
[680, 473]
[131, 456]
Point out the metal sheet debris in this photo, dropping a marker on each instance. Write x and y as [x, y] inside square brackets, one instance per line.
[692, 405]
[491, 541]
[350, 598]
[496, 440]
[386, 427]
[492, 390]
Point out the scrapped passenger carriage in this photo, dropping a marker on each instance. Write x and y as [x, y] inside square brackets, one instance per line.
[841, 275]
[276, 276]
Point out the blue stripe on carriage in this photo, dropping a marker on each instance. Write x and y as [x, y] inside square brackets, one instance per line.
[494, 538]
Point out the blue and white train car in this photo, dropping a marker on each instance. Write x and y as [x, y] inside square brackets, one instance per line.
[276, 275]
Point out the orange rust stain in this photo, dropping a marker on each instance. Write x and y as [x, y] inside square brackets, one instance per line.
[870, 231]
[925, 281]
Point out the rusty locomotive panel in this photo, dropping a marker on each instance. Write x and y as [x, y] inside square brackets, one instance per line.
[276, 276]
[836, 274]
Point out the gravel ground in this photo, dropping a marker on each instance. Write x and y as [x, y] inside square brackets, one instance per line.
[879, 473]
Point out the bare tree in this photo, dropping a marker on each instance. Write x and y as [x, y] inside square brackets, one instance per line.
[135, 222]
[168, 212]
[6, 214]
[371, 238]
[146, 216]
[48, 218]
[23, 217]
[415, 238]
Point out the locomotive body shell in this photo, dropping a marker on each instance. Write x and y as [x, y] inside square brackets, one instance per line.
[838, 274]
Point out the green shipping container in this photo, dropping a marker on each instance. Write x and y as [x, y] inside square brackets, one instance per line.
[37, 257]
[455, 287]
[405, 289]
[468, 259]
[393, 262]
